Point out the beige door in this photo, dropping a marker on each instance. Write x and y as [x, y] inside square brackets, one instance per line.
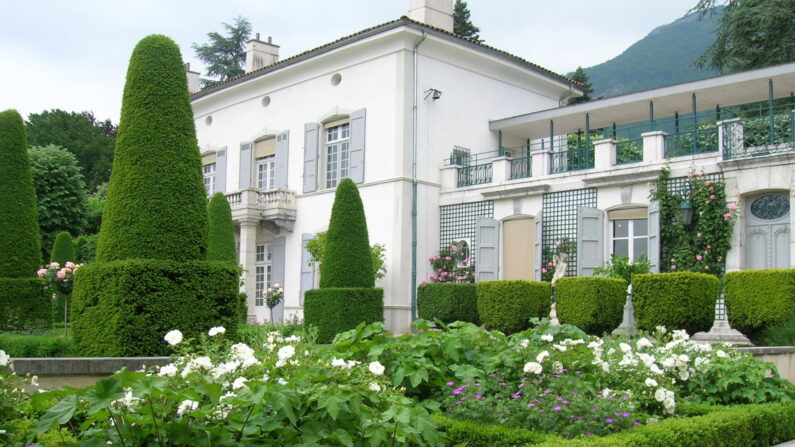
[518, 238]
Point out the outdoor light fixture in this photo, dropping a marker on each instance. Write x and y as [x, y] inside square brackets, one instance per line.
[687, 212]
[433, 93]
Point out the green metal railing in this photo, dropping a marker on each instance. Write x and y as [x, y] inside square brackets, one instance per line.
[521, 168]
[474, 175]
[763, 135]
[629, 151]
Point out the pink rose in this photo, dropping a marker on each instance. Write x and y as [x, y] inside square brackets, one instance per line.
[700, 213]
[454, 247]
[698, 234]
[727, 216]
[689, 175]
[699, 257]
[709, 246]
[430, 259]
[424, 282]
[673, 267]
[543, 270]
[712, 197]
[733, 207]
[41, 272]
[550, 264]
[61, 274]
[437, 257]
[70, 265]
[448, 258]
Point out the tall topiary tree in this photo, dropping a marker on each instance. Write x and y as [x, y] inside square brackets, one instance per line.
[157, 205]
[63, 249]
[22, 302]
[348, 262]
[221, 239]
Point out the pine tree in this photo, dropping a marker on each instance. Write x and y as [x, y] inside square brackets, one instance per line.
[582, 77]
[156, 206]
[461, 23]
[63, 249]
[221, 240]
[225, 56]
[347, 259]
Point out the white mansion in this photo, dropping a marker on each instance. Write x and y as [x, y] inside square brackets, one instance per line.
[450, 140]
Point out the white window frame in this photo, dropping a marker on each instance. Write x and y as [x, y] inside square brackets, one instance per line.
[266, 173]
[208, 171]
[262, 272]
[336, 154]
[630, 237]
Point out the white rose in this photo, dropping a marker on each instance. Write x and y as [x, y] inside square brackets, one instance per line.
[282, 382]
[285, 352]
[533, 367]
[660, 394]
[203, 362]
[651, 382]
[375, 387]
[543, 355]
[174, 337]
[167, 370]
[4, 358]
[376, 368]
[644, 343]
[240, 382]
[216, 331]
[339, 363]
[547, 338]
[722, 354]
[625, 347]
[525, 343]
[187, 405]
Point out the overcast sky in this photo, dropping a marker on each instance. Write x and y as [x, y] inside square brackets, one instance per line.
[73, 54]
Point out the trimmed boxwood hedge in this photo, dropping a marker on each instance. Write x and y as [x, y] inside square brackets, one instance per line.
[63, 249]
[16, 345]
[683, 300]
[86, 248]
[484, 435]
[24, 304]
[221, 239]
[756, 299]
[124, 308]
[448, 302]
[335, 310]
[508, 305]
[594, 304]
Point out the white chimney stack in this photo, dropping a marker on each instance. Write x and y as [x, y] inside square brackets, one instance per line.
[436, 13]
[193, 79]
[260, 54]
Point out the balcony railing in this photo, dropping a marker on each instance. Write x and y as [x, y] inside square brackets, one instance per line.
[629, 151]
[253, 198]
[574, 159]
[521, 168]
[474, 175]
[753, 137]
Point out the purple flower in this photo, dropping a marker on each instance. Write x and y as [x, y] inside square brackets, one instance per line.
[625, 397]
[531, 405]
[492, 375]
[577, 372]
[626, 415]
[450, 383]
[465, 398]
[573, 393]
[589, 433]
[636, 424]
[503, 384]
[556, 408]
[467, 380]
[609, 420]
[565, 402]
[524, 379]
[547, 391]
[478, 396]
[477, 384]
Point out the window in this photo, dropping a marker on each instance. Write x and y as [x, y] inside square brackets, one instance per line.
[337, 162]
[630, 237]
[209, 178]
[262, 273]
[266, 173]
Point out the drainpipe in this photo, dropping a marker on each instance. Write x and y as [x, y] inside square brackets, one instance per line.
[414, 137]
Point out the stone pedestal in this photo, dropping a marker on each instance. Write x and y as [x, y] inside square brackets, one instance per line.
[721, 331]
[627, 326]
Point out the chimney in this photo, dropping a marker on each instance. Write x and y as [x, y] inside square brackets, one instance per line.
[436, 13]
[193, 79]
[260, 54]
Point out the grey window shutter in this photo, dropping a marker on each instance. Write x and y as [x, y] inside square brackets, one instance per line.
[654, 236]
[311, 135]
[487, 231]
[277, 273]
[590, 240]
[307, 270]
[282, 155]
[356, 151]
[220, 170]
[539, 246]
[246, 153]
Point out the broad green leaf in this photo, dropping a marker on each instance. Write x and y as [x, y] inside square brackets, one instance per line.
[61, 413]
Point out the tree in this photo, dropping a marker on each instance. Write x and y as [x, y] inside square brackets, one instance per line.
[751, 34]
[95, 205]
[157, 205]
[90, 141]
[221, 240]
[225, 56]
[461, 23]
[60, 191]
[63, 250]
[582, 77]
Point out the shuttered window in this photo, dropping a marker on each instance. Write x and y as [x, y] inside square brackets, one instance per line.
[266, 173]
[209, 178]
[337, 160]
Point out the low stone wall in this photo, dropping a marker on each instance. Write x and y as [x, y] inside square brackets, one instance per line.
[79, 372]
[781, 356]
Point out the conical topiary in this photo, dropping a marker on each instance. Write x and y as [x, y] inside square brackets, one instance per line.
[221, 238]
[19, 228]
[63, 249]
[347, 260]
[156, 206]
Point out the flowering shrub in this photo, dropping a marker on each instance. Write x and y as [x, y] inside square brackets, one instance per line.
[450, 266]
[273, 296]
[563, 247]
[59, 279]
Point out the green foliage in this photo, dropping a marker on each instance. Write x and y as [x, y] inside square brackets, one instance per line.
[95, 205]
[619, 266]
[335, 310]
[60, 192]
[485, 435]
[751, 34]
[19, 230]
[757, 299]
[221, 240]
[86, 248]
[123, 308]
[450, 266]
[89, 140]
[777, 334]
[157, 205]
[18, 345]
[347, 258]
[507, 306]
[462, 25]
[316, 248]
[448, 302]
[587, 90]
[594, 305]
[24, 305]
[64, 249]
[683, 300]
[225, 56]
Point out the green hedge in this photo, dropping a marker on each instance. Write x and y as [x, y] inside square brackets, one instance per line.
[124, 308]
[594, 305]
[756, 299]
[335, 310]
[683, 300]
[86, 248]
[507, 306]
[448, 302]
[17, 345]
[24, 304]
[482, 435]
[63, 249]
[221, 244]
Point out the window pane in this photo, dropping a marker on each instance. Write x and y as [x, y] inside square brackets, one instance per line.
[621, 247]
[641, 227]
[620, 228]
[641, 247]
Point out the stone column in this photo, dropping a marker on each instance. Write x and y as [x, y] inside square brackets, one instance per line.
[449, 177]
[653, 147]
[500, 170]
[604, 154]
[734, 257]
[542, 160]
[248, 259]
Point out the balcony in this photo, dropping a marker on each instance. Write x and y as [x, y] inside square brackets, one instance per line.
[276, 206]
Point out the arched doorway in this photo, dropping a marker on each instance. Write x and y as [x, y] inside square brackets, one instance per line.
[767, 231]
